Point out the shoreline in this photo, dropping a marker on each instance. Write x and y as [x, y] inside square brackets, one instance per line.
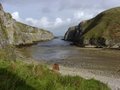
[93, 46]
[85, 62]
[111, 81]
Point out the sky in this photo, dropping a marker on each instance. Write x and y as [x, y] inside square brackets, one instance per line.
[56, 15]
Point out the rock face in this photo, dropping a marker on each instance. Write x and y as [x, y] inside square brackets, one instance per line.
[16, 33]
[100, 31]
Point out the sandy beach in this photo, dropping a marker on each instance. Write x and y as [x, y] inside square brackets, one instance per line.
[112, 81]
[98, 63]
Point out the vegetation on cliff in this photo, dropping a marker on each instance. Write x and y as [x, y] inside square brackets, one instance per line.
[16, 33]
[102, 30]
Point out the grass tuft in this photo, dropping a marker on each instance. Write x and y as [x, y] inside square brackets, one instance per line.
[17, 75]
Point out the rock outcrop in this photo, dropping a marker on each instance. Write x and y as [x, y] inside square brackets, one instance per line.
[100, 31]
[16, 33]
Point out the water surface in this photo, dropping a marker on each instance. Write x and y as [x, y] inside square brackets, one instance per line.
[59, 51]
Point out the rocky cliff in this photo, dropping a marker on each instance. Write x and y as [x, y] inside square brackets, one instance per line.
[16, 33]
[100, 31]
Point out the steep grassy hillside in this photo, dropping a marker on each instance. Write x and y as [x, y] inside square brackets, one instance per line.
[102, 30]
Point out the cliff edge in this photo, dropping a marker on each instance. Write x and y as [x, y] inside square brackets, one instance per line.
[16, 33]
[100, 31]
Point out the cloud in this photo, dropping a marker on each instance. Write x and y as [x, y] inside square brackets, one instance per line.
[31, 21]
[45, 10]
[57, 25]
[58, 22]
[68, 20]
[16, 16]
[79, 14]
[42, 22]
[47, 5]
[56, 15]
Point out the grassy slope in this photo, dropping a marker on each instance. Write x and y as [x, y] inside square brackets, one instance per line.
[21, 76]
[106, 24]
[18, 75]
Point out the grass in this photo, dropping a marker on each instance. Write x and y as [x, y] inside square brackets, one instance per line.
[19, 75]
[107, 21]
[105, 25]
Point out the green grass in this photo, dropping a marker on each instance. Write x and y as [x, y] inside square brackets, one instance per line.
[105, 25]
[17, 75]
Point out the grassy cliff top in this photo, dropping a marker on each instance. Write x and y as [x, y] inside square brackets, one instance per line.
[106, 24]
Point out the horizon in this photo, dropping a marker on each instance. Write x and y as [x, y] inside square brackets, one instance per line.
[56, 16]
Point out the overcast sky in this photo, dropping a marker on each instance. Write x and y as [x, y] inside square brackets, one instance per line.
[56, 15]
